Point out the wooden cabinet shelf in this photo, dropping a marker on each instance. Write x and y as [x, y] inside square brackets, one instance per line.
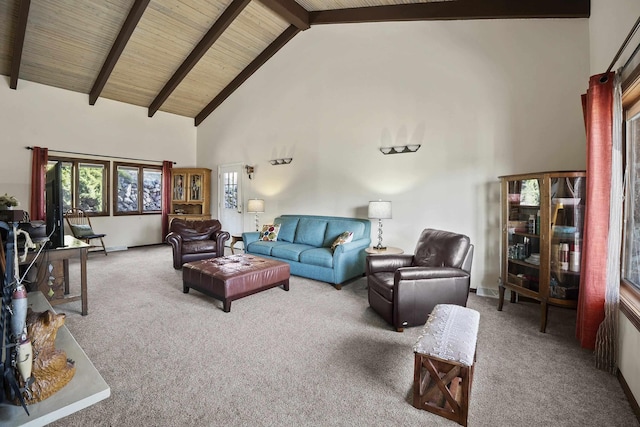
[542, 220]
[191, 194]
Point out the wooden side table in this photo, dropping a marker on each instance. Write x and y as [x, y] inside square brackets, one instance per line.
[234, 239]
[389, 250]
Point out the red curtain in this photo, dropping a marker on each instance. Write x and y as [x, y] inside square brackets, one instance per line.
[166, 196]
[38, 172]
[598, 114]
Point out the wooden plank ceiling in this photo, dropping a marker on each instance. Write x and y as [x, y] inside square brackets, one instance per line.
[187, 56]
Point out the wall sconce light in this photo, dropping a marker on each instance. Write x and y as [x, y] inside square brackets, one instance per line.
[400, 149]
[249, 170]
[281, 161]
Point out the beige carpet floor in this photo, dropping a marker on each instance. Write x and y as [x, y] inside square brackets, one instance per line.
[311, 356]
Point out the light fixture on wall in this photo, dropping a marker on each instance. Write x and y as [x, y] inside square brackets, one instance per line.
[255, 206]
[400, 149]
[249, 170]
[379, 210]
[285, 161]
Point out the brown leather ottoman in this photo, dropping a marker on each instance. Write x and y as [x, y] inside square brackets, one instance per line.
[232, 277]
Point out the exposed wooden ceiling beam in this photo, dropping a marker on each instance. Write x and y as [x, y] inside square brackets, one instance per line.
[459, 9]
[227, 17]
[290, 11]
[264, 56]
[119, 44]
[18, 42]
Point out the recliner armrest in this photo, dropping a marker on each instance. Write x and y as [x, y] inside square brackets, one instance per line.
[390, 263]
[425, 273]
[174, 239]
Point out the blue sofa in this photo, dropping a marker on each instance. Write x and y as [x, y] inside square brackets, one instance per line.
[304, 241]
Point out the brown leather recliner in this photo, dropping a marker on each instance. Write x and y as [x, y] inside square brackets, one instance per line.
[404, 288]
[196, 240]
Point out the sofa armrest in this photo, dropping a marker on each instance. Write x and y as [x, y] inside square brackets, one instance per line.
[388, 263]
[175, 240]
[426, 273]
[250, 237]
[220, 237]
[354, 245]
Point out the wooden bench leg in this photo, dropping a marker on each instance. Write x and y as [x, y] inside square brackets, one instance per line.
[442, 388]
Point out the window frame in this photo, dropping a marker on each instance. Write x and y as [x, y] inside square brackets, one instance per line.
[629, 294]
[114, 192]
[75, 181]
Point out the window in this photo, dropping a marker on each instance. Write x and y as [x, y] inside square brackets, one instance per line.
[137, 190]
[631, 260]
[230, 190]
[85, 184]
[630, 269]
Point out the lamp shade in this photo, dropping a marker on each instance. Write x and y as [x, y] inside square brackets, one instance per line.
[379, 209]
[255, 206]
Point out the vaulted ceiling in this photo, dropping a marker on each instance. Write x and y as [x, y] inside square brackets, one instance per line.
[187, 56]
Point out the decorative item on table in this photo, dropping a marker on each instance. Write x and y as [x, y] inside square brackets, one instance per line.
[379, 210]
[8, 202]
[518, 226]
[255, 206]
[533, 259]
[412, 148]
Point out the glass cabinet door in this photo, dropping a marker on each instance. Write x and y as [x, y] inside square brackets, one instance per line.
[566, 215]
[523, 234]
[195, 187]
[179, 192]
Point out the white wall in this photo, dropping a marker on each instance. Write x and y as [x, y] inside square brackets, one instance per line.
[484, 98]
[58, 119]
[609, 25]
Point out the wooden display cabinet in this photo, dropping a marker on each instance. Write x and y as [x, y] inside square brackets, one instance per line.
[191, 194]
[542, 226]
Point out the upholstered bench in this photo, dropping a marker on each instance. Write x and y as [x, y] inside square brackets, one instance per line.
[232, 277]
[444, 360]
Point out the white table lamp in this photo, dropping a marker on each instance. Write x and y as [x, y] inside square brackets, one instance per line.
[255, 206]
[379, 210]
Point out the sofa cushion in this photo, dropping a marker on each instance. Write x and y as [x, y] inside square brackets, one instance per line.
[198, 246]
[81, 230]
[195, 230]
[311, 232]
[337, 227]
[437, 248]
[322, 257]
[263, 247]
[290, 251]
[287, 228]
[270, 232]
[345, 237]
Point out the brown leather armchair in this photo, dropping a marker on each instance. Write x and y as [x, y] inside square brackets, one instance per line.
[195, 240]
[404, 288]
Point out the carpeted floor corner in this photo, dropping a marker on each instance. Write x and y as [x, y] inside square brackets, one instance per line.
[311, 356]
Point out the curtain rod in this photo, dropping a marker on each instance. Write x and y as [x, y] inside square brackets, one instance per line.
[604, 78]
[100, 155]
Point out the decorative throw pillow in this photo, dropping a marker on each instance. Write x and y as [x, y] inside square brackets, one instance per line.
[82, 230]
[270, 232]
[345, 237]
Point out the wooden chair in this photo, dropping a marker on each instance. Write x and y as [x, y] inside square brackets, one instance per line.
[80, 225]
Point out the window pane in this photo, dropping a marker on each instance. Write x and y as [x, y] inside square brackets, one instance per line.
[91, 187]
[631, 266]
[230, 190]
[127, 189]
[152, 190]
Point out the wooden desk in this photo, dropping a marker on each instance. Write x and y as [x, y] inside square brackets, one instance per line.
[86, 388]
[52, 268]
